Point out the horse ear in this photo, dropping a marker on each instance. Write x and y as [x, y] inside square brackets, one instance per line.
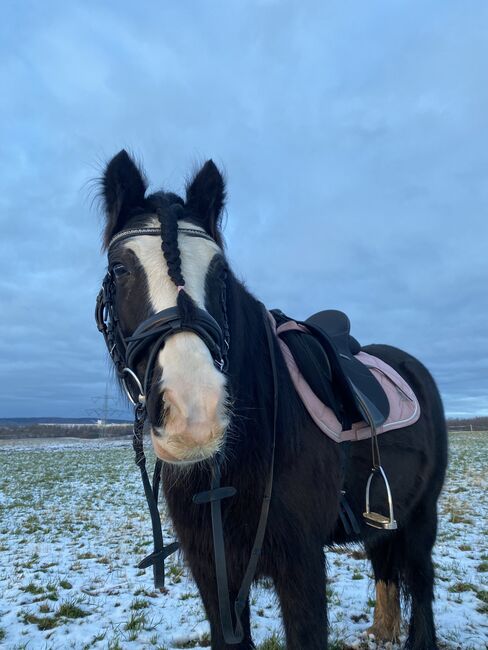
[123, 188]
[205, 197]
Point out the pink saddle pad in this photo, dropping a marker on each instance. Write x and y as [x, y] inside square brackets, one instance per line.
[404, 405]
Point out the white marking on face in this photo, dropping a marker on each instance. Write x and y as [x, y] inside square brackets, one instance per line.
[195, 393]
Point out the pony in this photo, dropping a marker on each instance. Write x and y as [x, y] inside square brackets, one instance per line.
[196, 412]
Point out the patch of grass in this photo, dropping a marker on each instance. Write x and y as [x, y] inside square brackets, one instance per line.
[3, 634]
[32, 524]
[70, 610]
[465, 547]
[187, 595]
[482, 594]
[483, 567]
[459, 518]
[357, 575]
[135, 623]
[139, 603]
[145, 592]
[32, 588]
[461, 587]
[274, 642]
[175, 573]
[65, 584]
[98, 637]
[42, 622]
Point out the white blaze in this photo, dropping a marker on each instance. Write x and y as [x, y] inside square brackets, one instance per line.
[195, 388]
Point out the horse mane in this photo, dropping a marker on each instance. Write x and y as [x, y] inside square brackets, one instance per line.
[251, 381]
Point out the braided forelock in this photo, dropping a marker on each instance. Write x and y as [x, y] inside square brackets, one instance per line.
[168, 218]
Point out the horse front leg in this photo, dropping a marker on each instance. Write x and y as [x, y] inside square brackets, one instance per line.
[204, 575]
[300, 585]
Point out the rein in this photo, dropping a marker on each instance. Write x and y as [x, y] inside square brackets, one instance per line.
[233, 635]
[125, 351]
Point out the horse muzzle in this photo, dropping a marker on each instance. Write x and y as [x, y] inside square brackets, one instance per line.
[186, 430]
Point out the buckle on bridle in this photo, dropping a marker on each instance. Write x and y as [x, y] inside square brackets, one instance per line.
[141, 398]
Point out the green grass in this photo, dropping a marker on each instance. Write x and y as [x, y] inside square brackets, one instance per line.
[32, 588]
[98, 537]
[461, 587]
[135, 623]
[274, 642]
[139, 603]
[71, 610]
[42, 622]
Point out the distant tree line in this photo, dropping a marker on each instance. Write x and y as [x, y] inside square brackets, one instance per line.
[477, 424]
[32, 430]
[13, 432]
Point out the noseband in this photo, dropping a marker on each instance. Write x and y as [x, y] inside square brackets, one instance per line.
[151, 335]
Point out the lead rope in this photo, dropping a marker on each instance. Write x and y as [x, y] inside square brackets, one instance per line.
[160, 552]
[233, 635]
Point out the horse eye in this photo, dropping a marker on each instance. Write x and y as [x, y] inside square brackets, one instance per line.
[119, 270]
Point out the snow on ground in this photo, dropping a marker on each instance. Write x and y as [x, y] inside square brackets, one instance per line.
[73, 524]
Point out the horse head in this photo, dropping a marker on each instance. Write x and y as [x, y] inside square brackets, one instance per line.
[166, 281]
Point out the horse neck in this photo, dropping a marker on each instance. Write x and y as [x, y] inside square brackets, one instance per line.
[250, 373]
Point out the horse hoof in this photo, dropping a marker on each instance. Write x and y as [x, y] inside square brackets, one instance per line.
[384, 633]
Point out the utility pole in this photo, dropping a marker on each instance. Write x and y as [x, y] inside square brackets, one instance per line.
[104, 409]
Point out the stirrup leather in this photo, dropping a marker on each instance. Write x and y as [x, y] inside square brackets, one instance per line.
[375, 519]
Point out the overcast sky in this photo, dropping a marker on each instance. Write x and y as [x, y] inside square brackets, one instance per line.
[354, 137]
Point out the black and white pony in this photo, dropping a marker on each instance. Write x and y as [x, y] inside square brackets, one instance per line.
[196, 411]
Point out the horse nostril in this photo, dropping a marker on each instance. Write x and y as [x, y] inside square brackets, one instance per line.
[157, 406]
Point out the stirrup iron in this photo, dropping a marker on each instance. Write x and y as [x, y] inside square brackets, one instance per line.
[375, 519]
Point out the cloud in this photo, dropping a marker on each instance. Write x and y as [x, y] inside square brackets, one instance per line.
[353, 146]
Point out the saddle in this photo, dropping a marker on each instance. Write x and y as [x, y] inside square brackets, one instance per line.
[326, 354]
[325, 344]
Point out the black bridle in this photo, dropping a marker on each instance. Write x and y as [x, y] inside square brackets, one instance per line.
[153, 332]
[150, 337]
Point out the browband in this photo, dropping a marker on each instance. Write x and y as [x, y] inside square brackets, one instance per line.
[135, 232]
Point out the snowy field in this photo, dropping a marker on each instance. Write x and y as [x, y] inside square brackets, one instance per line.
[73, 524]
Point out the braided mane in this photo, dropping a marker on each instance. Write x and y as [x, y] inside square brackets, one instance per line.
[170, 209]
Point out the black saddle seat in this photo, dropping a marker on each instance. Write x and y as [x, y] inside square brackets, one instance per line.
[357, 385]
[337, 326]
